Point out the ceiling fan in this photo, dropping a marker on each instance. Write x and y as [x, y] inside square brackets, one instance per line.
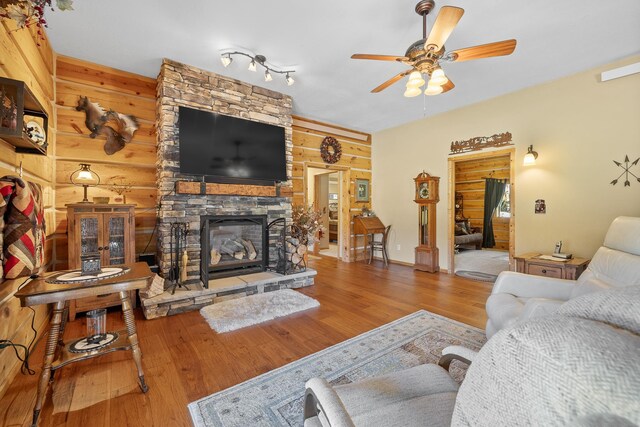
[425, 55]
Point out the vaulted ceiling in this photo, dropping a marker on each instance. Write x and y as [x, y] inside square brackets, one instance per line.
[555, 39]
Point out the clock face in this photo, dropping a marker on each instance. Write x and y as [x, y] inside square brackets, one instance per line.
[423, 191]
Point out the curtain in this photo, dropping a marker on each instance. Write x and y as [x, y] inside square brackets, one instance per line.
[493, 192]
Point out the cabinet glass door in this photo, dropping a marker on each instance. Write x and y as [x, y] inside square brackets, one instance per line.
[116, 240]
[89, 234]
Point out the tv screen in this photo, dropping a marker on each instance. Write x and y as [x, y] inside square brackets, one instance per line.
[229, 149]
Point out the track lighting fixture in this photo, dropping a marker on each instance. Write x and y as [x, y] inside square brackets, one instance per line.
[226, 59]
[289, 80]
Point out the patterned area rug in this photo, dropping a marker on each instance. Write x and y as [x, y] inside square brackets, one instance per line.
[276, 398]
[242, 312]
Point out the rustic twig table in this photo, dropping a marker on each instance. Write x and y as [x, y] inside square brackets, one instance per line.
[57, 353]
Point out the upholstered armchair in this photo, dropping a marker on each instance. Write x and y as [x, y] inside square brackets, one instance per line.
[516, 296]
[576, 367]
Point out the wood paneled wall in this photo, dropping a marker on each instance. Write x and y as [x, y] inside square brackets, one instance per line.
[24, 57]
[470, 183]
[356, 159]
[135, 164]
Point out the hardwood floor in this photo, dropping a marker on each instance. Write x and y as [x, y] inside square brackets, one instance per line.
[185, 360]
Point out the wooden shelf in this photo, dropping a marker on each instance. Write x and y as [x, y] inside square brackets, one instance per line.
[26, 105]
[201, 188]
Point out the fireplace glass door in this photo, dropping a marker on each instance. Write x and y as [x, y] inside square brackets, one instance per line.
[233, 245]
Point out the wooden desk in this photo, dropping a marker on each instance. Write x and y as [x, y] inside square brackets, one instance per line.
[530, 263]
[366, 226]
[57, 352]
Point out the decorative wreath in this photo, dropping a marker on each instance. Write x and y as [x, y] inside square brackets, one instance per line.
[330, 150]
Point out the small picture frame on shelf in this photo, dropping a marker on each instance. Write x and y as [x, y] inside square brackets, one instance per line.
[362, 190]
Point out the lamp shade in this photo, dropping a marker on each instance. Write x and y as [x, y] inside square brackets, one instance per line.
[290, 80]
[226, 60]
[85, 176]
[530, 157]
[415, 79]
[438, 78]
[433, 89]
[412, 91]
[252, 66]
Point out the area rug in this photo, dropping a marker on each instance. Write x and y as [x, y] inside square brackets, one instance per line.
[246, 311]
[276, 398]
[483, 265]
[477, 275]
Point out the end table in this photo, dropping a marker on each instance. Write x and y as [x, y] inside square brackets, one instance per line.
[57, 353]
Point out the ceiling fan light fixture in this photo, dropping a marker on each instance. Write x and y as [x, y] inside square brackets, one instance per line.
[438, 77]
[433, 89]
[226, 60]
[412, 91]
[415, 79]
[252, 66]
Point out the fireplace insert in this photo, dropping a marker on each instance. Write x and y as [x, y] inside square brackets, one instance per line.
[233, 245]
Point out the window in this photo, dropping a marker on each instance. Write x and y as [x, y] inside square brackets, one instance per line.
[504, 208]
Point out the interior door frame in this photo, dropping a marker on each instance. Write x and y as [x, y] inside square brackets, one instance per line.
[511, 152]
[344, 223]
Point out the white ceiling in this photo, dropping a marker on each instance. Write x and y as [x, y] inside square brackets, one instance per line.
[555, 39]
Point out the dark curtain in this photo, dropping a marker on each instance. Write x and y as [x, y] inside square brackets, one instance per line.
[493, 192]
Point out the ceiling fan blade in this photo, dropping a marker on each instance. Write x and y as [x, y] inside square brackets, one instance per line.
[379, 57]
[446, 21]
[505, 47]
[447, 86]
[391, 81]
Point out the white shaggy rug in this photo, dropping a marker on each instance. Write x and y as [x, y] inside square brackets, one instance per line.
[242, 312]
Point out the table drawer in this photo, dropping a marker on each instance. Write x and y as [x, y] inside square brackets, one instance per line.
[98, 301]
[545, 270]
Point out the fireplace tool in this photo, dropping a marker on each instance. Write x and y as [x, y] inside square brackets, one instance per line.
[177, 250]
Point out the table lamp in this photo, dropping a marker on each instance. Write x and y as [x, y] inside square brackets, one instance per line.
[86, 178]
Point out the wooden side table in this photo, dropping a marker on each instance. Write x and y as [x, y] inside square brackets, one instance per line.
[57, 352]
[530, 263]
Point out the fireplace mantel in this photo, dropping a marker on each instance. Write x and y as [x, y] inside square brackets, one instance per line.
[201, 188]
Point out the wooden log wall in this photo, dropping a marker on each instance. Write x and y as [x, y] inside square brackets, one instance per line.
[25, 57]
[470, 183]
[356, 159]
[134, 165]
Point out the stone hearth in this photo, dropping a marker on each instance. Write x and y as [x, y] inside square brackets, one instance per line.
[223, 289]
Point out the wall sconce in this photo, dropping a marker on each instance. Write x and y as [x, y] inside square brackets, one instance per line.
[226, 59]
[85, 177]
[530, 157]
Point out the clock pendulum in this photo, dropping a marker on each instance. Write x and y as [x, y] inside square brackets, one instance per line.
[426, 255]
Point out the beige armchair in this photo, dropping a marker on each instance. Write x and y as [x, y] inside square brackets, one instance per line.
[576, 367]
[516, 296]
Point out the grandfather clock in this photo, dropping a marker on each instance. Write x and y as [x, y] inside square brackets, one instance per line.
[427, 197]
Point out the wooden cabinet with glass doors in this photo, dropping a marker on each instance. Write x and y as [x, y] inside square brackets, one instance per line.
[104, 229]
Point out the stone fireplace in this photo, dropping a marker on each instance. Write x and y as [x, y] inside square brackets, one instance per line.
[180, 85]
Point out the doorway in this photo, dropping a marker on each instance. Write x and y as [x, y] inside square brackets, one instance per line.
[325, 191]
[470, 249]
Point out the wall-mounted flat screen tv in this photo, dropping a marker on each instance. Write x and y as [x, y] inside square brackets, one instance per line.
[229, 149]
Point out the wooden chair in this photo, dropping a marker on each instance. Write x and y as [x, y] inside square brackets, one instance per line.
[380, 245]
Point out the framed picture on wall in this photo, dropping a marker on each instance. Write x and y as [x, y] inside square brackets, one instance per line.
[362, 190]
